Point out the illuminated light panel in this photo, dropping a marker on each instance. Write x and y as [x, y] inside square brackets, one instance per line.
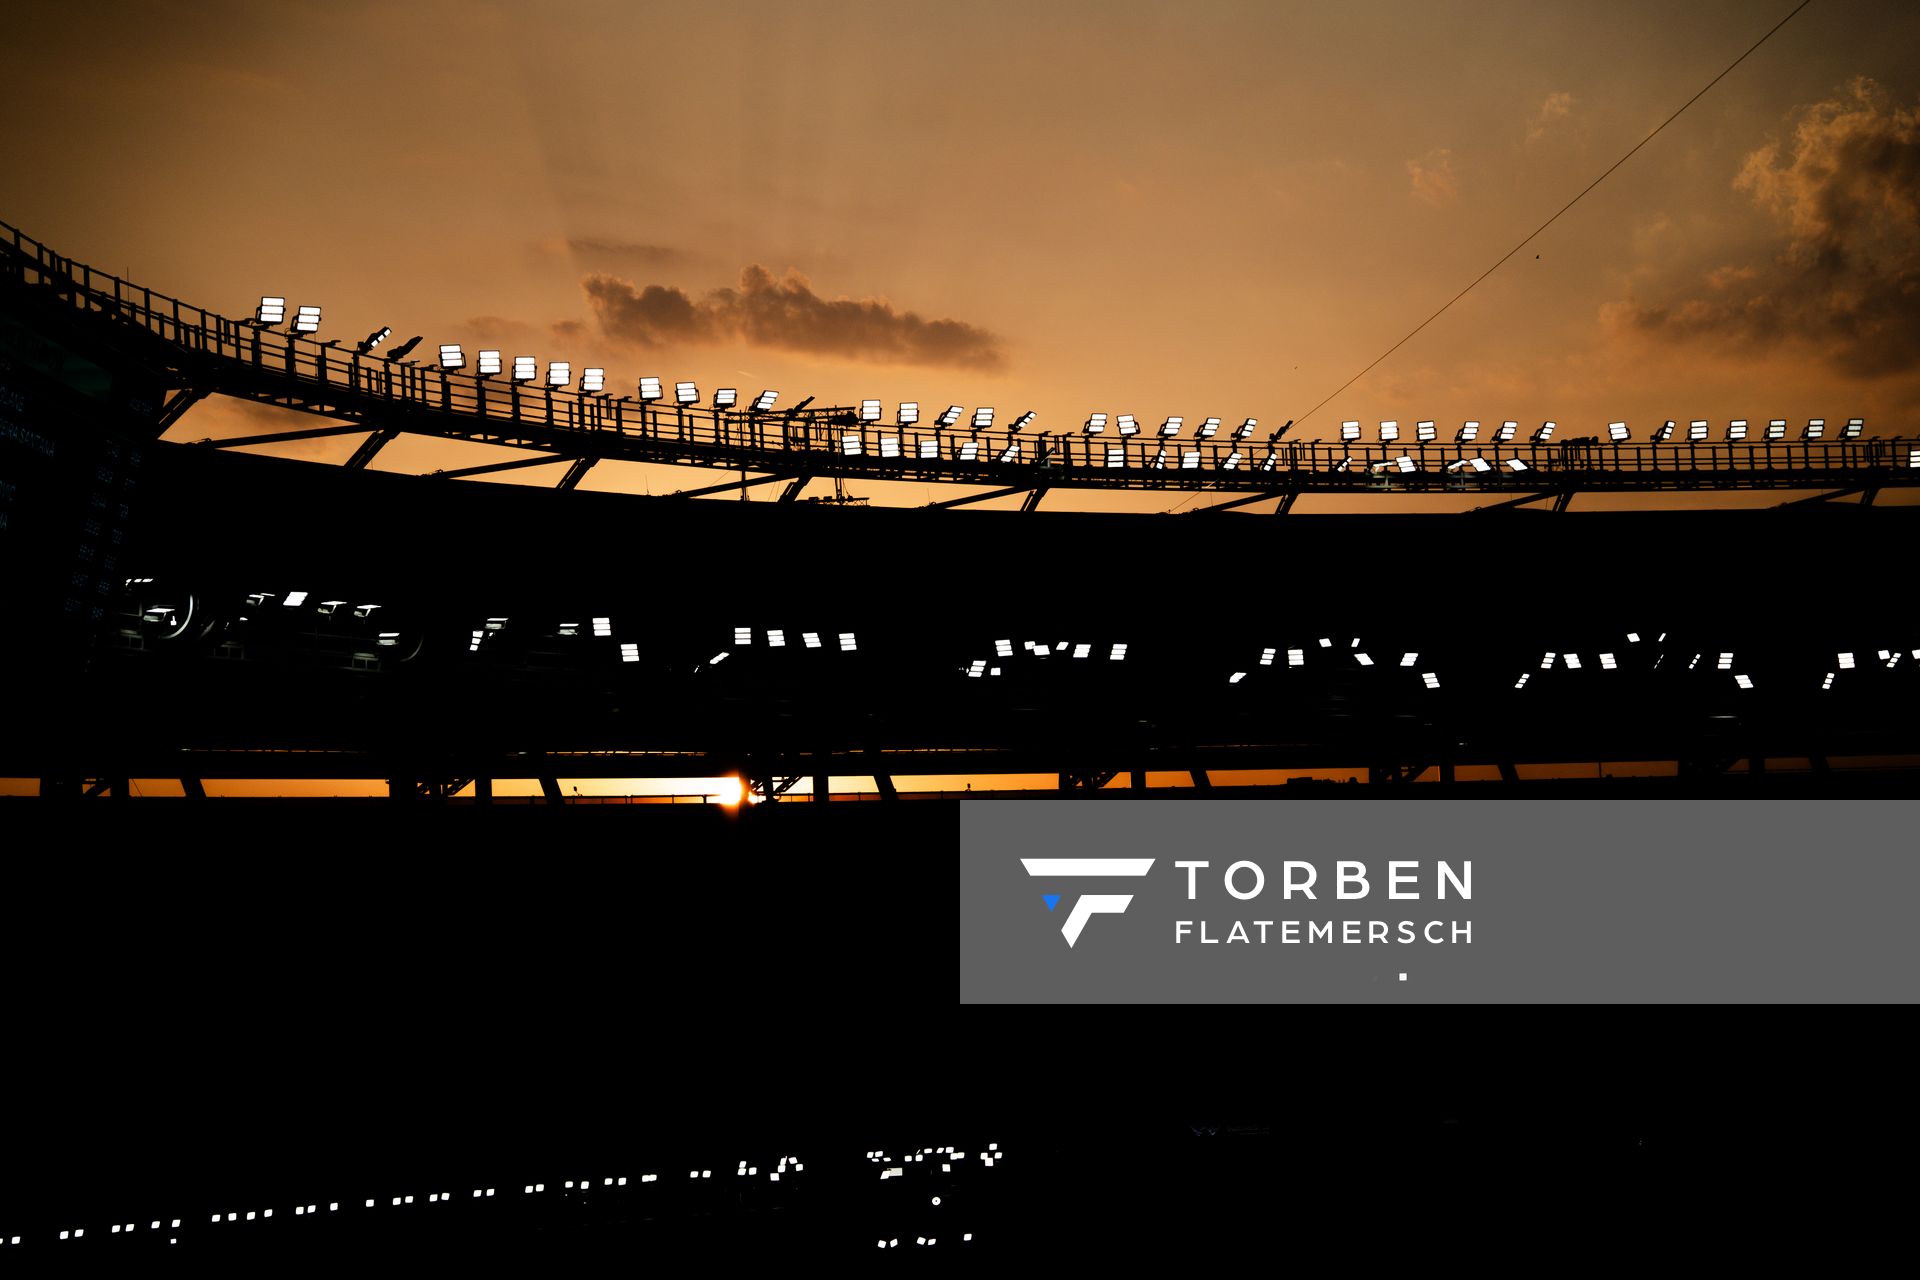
[1617, 431]
[850, 445]
[1469, 431]
[603, 626]
[1082, 650]
[1607, 662]
[909, 413]
[1206, 429]
[763, 403]
[869, 411]
[1846, 662]
[1296, 657]
[1190, 461]
[1171, 427]
[1233, 461]
[1726, 662]
[929, 448]
[726, 397]
[593, 380]
[1095, 424]
[1815, 428]
[847, 644]
[1521, 683]
[1430, 679]
[489, 363]
[1737, 429]
[1266, 657]
[1011, 453]
[1389, 432]
[1514, 464]
[1573, 662]
[1349, 431]
[1745, 682]
[1119, 653]
[1363, 659]
[811, 639]
[1828, 682]
[1003, 648]
[1546, 663]
[949, 416]
[983, 418]
[1116, 456]
[1777, 429]
[969, 451]
[651, 390]
[777, 639]
[271, 311]
[1506, 431]
[525, 369]
[451, 357]
[1697, 429]
[1633, 637]
[1236, 677]
[1408, 659]
[1128, 426]
[743, 635]
[1852, 430]
[629, 651]
[295, 598]
[307, 320]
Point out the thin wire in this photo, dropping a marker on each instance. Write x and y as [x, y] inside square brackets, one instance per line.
[1556, 217]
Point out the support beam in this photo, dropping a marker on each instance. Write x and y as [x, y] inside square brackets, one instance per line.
[979, 497]
[278, 437]
[1286, 503]
[193, 789]
[1521, 502]
[491, 467]
[483, 790]
[792, 491]
[1824, 497]
[550, 788]
[732, 486]
[1032, 502]
[1138, 779]
[181, 402]
[884, 781]
[1201, 780]
[370, 446]
[580, 467]
[1565, 500]
[1229, 505]
[1508, 773]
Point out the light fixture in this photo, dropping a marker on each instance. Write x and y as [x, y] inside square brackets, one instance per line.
[1543, 432]
[1207, 429]
[405, 349]
[1233, 461]
[726, 397]
[1425, 432]
[1245, 429]
[1349, 431]
[763, 403]
[451, 357]
[1777, 429]
[1737, 429]
[1514, 464]
[375, 338]
[593, 381]
[1697, 429]
[651, 390]
[1469, 431]
[1095, 424]
[1024, 420]
[1128, 426]
[1296, 657]
[559, 373]
[1389, 432]
[1116, 455]
[869, 411]
[909, 413]
[849, 445]
[1171, 427]
[271, 311]
[525, 369]
[489, 364]
[1430, 679]
[1853, 428]
[983, 418]
[1011, 453]
[1119, 652]
[1663, 432]
[306, 320]
[1815, 428]
[1345, 464]
[1617, 431]
[847, 644]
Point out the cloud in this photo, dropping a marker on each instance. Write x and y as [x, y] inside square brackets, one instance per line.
[497, 328]
[1556, 107]
[786, 313]
[1433, 179]
[624, 254]
[1844, 193]
[568, 329]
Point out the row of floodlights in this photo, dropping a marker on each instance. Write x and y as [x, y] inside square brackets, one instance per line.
[777, 639]
[1697, 430]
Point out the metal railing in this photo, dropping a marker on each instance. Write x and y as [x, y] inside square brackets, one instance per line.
[213, 352]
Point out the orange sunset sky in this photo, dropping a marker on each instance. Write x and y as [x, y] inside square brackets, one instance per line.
[1203, 208]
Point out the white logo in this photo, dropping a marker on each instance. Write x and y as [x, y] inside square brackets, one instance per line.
[1089, 904]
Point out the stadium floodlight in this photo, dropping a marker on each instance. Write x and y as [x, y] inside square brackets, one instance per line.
[1095, 424]
[1468, 432]
[1171, 427]
[1815, 428]
[1544, 432]
[1430, 678]
[1233, 461]
[1846, 662]
[983, 418]
[1408, 659]
[1425, 432]
[909, 413]
[763, 403]
[1345, 464]
[1663, 432]
[949, 416]
[1913, 457]
[1853, 428]
[850, 445]
[559, 373]
[1011, 453]
[1116, 455]
[1024, 420]
[1207, 429]
[1190, 460]
[1349, 431]
[651, 390]
[847, 644]
[525, 369]
[375, 338]
[1697, 429]
[1245, 429]
[1267, 463]
[1405, 463]
[1745, 682]
[405, 349]
[1777, 429]
[1514, 464]
[451, 357]
[1160, 458]
[1128, 425]
[489, 364]
[930, 448]
[869, 411]
[1737, 429]
[1389, 432]
[1617, 431]
[726, 397]
[1506, 431]
[593, 381]
[306, 320]
[889, 446]
[969, 451]
[270, 312]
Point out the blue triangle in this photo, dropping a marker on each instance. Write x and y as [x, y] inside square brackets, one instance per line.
[1051, 899]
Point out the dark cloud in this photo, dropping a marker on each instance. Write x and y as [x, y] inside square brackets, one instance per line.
[497, 328]
[786, 313]
[1845, 188]
[568, 329]
[616, 254]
